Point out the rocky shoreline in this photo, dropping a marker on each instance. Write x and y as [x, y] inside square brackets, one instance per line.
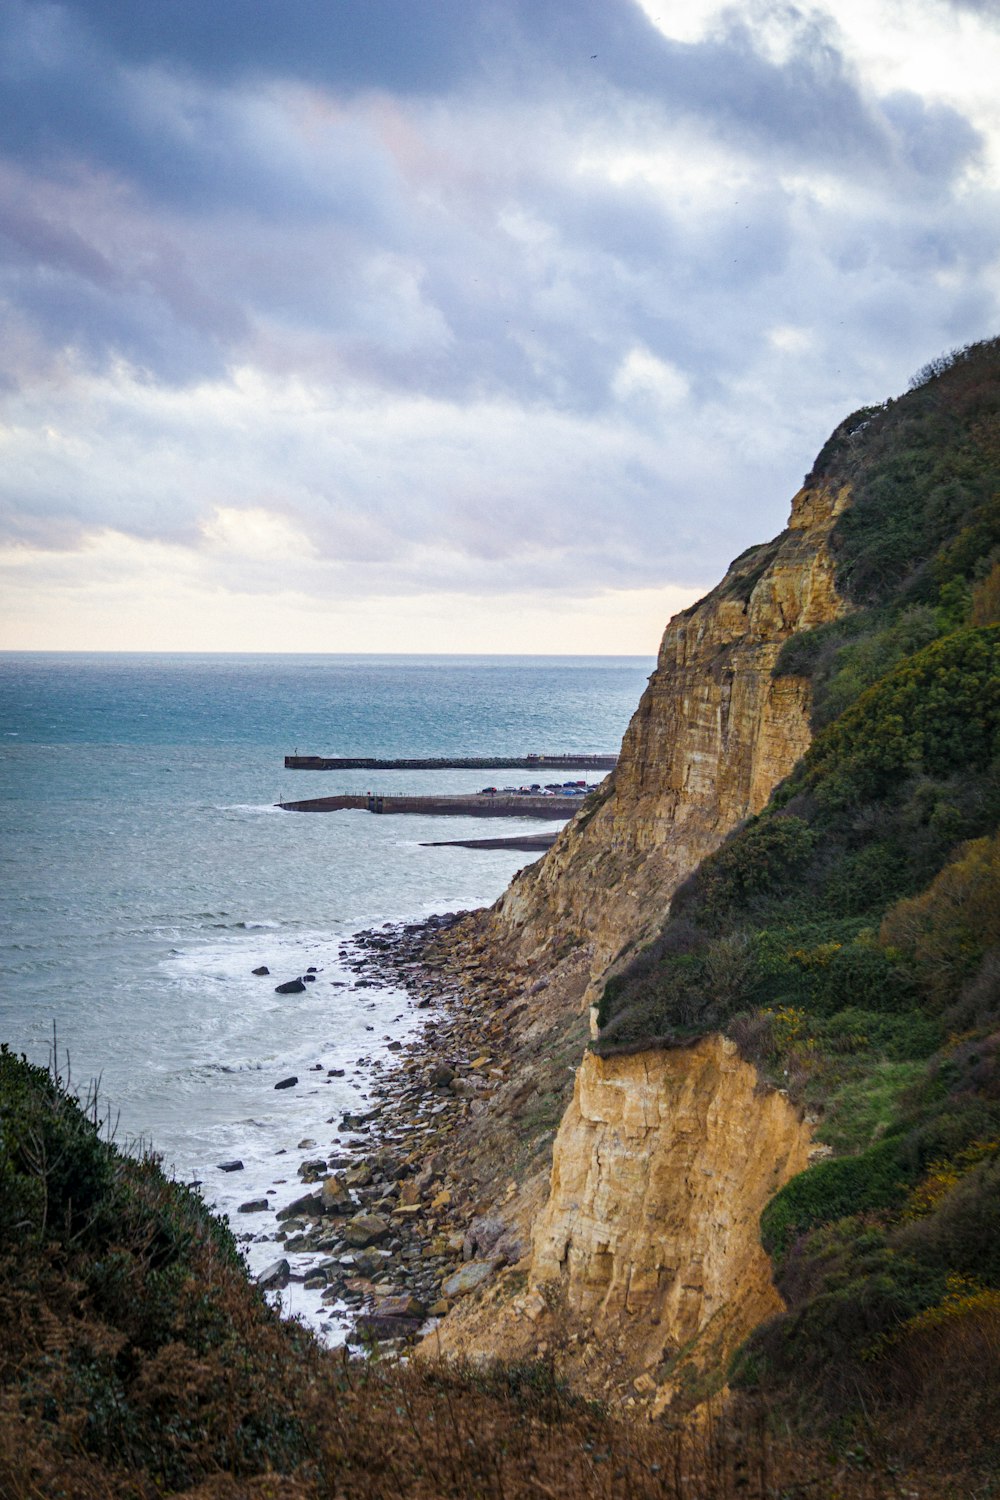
[382, 1228]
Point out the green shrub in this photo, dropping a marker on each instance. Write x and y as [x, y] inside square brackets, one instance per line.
[55, 1171]
[763, 859]
[836, 1189]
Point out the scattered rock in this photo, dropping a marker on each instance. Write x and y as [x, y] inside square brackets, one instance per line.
[403, 1306]
[468, 1279]
[482, 1234]
[378, 1327]
[369, 1263]
[263, 969]
[334, 1195]
[441, 1076]
[366, 1229]
[230, 1166]
[275, 1277]
[290, 987]
[311, 1171]
[310, 1205]
[467, 1088]
[287, 1083]
[255, 1206]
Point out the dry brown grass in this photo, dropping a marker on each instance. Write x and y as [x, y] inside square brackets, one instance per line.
[441, 1432]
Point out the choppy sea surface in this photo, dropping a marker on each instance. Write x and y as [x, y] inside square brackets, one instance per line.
[145, 870]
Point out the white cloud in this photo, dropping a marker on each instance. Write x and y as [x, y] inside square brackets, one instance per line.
[681, 20]
[641, 374]
[119, 593]
[253, 532]
[790, 340]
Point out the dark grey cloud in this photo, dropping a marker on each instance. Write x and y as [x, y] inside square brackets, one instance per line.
[388, 44]
[79, 70]
[478, 291]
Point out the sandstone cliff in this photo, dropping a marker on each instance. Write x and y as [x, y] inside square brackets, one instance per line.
[645, 1268]
[712, 735]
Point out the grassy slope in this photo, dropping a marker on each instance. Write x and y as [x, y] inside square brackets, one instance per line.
[849, 940]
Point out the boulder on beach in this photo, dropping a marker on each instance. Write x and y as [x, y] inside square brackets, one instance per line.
[483, 1234]
[261, 969]
[377, 1327]
[296, 1243]
[369, 1263]
[255, 1206]
[274, 1277]
[441, 1075]
[468, 1279]
[230, 1166]
[366, 1229]
[467, 1088]
[289, 987]
[334, 1195]
[310, 1206]
[287, 1083]
[312, 1170]
[406, 1305]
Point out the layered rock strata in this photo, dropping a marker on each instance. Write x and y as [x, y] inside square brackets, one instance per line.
[661, 1168]
[713, 734]
[646, 1267]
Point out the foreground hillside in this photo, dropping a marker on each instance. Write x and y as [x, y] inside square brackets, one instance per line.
[138, 1362]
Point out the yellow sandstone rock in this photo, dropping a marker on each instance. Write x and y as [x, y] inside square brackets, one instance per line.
[713, 734]
[648, 1244]
[662, 1165]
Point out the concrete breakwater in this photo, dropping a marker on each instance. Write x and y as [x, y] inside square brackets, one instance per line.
[452, 762]
[476, 805]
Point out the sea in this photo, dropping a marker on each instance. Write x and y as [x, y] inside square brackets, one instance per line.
[146, 871]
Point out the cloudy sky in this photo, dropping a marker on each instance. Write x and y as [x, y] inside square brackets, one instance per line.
[458, 325]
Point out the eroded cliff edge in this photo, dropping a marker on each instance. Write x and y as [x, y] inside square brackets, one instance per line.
[645, 1266]
[714, 732]
[646, 1269]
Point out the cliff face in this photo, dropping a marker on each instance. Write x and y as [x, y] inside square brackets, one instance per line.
[646, 1269]
[661, 1169]
[712, 735]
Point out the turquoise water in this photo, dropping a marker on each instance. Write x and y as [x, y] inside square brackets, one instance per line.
[145, 870]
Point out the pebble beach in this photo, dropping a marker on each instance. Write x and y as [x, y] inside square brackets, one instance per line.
[364, 1234]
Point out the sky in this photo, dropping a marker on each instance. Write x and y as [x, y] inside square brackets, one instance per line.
[458, 325]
